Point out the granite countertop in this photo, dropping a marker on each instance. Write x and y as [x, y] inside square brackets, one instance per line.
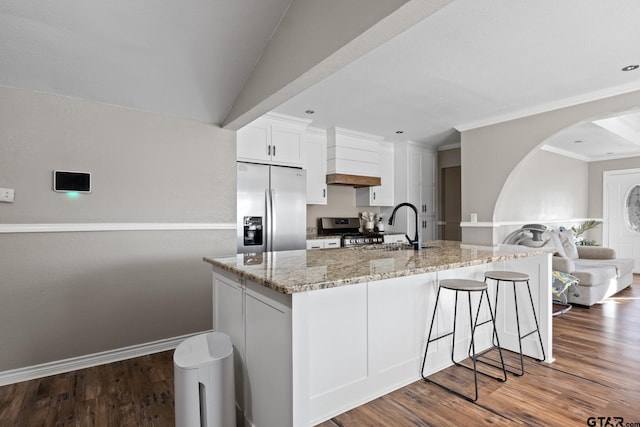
[289, 272]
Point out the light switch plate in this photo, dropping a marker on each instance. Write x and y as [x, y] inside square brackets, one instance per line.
[6, 195]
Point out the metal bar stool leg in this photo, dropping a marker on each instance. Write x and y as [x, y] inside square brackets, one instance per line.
[453, 334]
[473, 342]
[495, 335]
[515, 302]
[535, 318]
[495, 307]
[433, 321]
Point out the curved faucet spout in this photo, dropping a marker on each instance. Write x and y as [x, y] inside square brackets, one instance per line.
[416, 241]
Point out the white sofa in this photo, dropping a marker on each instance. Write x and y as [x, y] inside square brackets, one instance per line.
[601, 274]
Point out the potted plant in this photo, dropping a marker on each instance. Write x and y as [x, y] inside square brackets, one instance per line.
[579, 231]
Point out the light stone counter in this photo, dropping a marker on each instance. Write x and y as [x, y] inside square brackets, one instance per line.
[290, 272]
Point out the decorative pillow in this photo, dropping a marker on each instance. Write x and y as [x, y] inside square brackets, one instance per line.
[556, 243]
[569, 244]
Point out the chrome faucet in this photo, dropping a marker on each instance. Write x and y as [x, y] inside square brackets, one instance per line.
[416, 241]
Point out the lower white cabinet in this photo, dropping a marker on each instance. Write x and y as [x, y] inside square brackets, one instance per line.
[260, 330]
[323, 243]
[395, 238]
[268, 360]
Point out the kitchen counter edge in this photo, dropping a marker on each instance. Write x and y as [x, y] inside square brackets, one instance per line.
[286, 284]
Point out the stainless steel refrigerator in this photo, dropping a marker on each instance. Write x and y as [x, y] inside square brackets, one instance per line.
[272, 208]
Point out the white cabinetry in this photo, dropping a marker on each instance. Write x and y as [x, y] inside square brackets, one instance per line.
[273, 139]
[316, 165]
[395, 238]
[268, 360]
[260, 330]
[380, 195]
[323, 243]
[415, 182]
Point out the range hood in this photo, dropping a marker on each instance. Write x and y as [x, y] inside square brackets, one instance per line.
[353, 158]
[353, 180]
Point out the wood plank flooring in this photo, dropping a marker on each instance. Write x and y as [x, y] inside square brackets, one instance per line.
[596, 374]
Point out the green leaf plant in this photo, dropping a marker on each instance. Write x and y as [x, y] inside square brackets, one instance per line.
[581, 229]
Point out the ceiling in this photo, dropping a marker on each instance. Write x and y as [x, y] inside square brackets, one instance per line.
[476, 62]
[473, 62]
[187, 58]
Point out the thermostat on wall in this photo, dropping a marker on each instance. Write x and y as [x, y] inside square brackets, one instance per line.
[65, 181]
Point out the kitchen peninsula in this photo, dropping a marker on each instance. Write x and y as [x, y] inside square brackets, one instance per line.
[317, 333]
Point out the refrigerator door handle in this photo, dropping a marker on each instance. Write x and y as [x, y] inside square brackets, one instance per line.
[272, 216]
[268, 234]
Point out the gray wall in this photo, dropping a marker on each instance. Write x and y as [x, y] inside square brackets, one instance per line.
[490, 154]
[77, 293]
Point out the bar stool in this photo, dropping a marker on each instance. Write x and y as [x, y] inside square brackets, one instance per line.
[468, 286]
[515, 278]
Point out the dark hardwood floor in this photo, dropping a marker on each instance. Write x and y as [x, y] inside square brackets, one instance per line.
[596, 374]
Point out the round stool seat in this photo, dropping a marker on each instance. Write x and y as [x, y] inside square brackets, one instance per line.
[509, 276]
[463, 285]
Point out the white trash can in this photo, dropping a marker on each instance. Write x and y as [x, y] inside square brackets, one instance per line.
[203, 381]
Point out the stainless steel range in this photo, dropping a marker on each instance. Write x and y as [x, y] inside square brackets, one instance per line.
[349, 231]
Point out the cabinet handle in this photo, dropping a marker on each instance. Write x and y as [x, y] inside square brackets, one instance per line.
[374, 195]
[268, 150]
[324, 193]
[274, 150]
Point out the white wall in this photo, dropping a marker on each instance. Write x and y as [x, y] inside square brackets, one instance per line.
[545, 186]
[76, 293]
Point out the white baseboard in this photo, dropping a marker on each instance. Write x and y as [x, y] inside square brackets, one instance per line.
[89, 360]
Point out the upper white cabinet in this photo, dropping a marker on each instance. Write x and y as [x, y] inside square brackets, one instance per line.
[316, 165]
[273, 139]
[380, 195]
[415, 182]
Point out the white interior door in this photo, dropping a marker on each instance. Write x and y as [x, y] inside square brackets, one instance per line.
[622, 213]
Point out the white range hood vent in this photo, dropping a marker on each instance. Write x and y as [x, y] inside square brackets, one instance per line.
[353, 158]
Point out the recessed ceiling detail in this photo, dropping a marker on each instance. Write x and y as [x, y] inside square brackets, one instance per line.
[602, 139]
